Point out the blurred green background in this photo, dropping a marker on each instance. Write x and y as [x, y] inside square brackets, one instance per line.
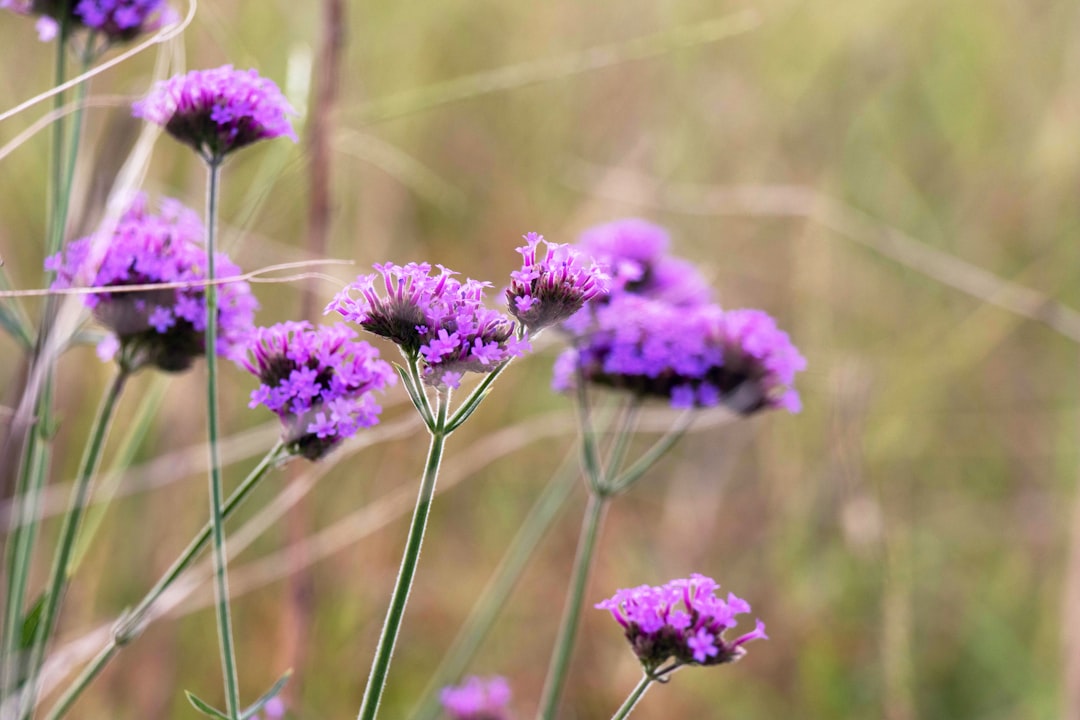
[895, 180]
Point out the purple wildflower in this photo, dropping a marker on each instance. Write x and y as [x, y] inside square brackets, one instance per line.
[682, 621]
[319, 381]
[156, 327]
[692, 356]
[547, 292]
[115, 20]
[435, 318]
[477, 699]
[218, 111]
[274, 709]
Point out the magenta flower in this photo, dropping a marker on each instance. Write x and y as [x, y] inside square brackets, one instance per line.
[546, 292]
[115, 20]
[218, 111]
[164, 327]
[682, 621]
[319, 381]
[433, 318]
[477, 699]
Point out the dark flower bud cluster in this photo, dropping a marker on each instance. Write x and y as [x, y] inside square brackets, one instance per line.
[682, 621]
[218, 111]
[116, 20]
[432, 317]
[545, 292]
[319, 381]
[657, 334]
[477, 699]
[159, 327]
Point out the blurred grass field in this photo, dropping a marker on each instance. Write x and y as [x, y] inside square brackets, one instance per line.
[906, 538]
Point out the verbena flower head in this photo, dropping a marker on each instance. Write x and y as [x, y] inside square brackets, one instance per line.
[683, 621]
[218, 111]
[546, 292]
[319, 381]
[162, 327]
[691, 356]
[477, 699]
[433, 317]
[115, 20]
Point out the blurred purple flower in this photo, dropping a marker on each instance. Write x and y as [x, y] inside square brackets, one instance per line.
[434, 318]
[156, 327]
[116, 20]
[319, 381]
[682, 621]
[218, 111]
[546, 292]
[477, 699]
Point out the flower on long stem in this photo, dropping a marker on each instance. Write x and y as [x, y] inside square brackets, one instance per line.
[319, 381]
[548, 291]
[161, 328]
[477, 699]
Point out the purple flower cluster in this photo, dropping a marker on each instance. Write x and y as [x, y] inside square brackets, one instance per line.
[218, 111]
[682, 620]
[319, 381]
[477, 699]
[546, 292]
[162, 327]
[116, 20]
[434, 318]
[657, 334]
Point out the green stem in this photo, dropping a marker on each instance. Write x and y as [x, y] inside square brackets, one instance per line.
[564, 647]
[627, 426]
[590, 456]
[133, 621]
[381, 664]
[217, 526]
[80, 495]
[633, 699]
[651, 456]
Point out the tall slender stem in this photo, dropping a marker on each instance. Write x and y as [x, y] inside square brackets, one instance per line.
[131, 624]
[634, 698]
[217, 526]
[80, 494]
[564, 646]
[381, 664]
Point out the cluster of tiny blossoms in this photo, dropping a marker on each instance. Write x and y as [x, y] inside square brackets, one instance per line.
[657, 334]
[432, 317]
[682, 621]
[116, 20]
[218, 111]
[477, 699]
[319, 381]
[161, 327]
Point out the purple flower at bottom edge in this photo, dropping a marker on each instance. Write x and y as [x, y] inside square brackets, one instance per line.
[477, 699]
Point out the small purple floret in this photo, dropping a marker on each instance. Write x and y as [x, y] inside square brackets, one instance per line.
[477, 699]
[218, 111]
[682, 621]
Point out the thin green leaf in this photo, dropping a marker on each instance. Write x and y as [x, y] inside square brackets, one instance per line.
[269, 695]
[466, 410]
[31, 622]
[204, 707]
[417, 401]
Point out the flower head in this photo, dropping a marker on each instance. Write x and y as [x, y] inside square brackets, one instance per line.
[683, 621]
[477, 699]
[546, 292]
[218, 111]
[435, 318]
[116, 20]
[162, 327]
[692, 356]
[319, 381]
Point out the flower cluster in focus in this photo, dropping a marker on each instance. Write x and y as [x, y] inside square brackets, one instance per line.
[477, 699]
[319, 381]
[161, 327]
[116, 20]
[432, 317]
[545, 292]
[218, 111]
[658, 334]
[682, 621]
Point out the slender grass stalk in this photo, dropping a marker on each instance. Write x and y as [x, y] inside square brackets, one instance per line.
[388, 638]
[133, 621]
[633, 699]
[221, 579]
[80, 494]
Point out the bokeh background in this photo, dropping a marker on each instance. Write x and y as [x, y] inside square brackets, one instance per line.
[895, 180]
